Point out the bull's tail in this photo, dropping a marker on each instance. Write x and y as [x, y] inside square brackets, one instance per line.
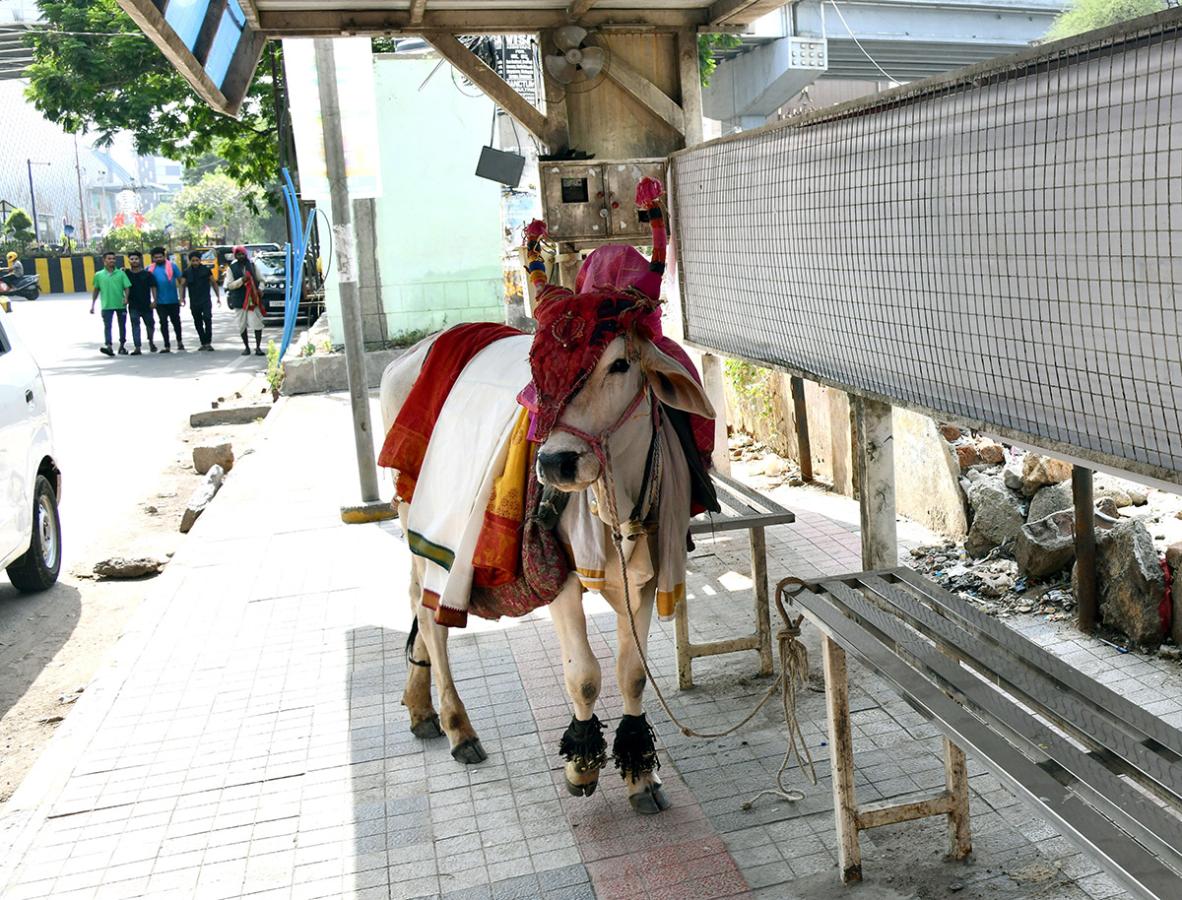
[410, 645]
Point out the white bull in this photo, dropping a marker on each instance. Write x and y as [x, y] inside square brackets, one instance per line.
[566, 462]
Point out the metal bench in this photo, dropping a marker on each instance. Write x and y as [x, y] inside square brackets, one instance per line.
[1102, 770]
[742, 508]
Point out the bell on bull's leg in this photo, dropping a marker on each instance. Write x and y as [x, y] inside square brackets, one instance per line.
[635, 753]
[585, 752]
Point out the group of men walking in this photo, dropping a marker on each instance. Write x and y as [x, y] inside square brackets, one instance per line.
[161, 289]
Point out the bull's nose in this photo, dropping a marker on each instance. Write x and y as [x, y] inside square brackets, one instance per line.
[558, 467]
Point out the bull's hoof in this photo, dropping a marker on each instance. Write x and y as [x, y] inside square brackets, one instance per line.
[427, 729]
[582, 790]
[650, 801]
[469, 752]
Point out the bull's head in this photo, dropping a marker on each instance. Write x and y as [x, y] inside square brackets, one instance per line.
[629, 363]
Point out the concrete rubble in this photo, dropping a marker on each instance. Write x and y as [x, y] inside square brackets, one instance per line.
[1047, 546]
[202, 497]
[119, 567]
[1130, 582]
[997, 516]
[208, 456]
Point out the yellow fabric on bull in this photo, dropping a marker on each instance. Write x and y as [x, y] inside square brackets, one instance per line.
[498, 549]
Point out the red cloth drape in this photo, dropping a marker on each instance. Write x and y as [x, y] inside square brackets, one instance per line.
[406, 443]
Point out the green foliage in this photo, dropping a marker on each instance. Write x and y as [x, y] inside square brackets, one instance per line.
[161, 216]
[123, 239]
[94, 70]
[753, 384]
[410, 337]
[1088, 15]
[707, 43]
[19, 226]
[274, 367]
[223, 206]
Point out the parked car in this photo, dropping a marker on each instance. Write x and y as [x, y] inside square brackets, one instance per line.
[219, 256]
[273, 271]
[30, 481]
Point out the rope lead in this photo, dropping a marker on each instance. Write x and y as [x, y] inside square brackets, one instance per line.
[793, 659]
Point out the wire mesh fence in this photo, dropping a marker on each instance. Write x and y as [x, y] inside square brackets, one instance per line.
[1001, 246]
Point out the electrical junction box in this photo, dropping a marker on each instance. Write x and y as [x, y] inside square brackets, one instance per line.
[593, 201]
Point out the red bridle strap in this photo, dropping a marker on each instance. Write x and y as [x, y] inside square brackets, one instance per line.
[597, 442]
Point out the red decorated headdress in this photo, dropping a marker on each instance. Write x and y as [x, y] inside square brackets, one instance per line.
[573, 331]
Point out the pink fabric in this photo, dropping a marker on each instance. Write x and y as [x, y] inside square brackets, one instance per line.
[618, 267]
[169, 270]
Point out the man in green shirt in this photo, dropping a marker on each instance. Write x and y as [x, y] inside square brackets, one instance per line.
[112, 285]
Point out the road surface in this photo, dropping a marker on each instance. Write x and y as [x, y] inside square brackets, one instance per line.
[117, 423]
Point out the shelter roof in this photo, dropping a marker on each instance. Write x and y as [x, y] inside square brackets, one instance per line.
[216, 44]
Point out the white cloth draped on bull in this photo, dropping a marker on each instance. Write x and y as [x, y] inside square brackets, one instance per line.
[467, 453]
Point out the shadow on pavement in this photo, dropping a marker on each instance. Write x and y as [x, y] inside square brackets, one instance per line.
[33, 627]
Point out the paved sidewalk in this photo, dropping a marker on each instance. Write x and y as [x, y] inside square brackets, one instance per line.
[248, 739]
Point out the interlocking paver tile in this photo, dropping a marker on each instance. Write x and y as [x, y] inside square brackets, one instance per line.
[257, 743]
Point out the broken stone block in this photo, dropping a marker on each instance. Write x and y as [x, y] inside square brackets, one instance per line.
[206, 457]
[1130, 582]
[1013, 478]
[997, 516]
[129, 567]
[1038, 471]
[966, 455]
[950, 433]
[1124, 493]
[991, 452]
[1047, 546]
[201, 498]
[1050, 500]
[1108, 507]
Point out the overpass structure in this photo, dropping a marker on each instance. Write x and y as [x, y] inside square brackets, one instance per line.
[879, 41]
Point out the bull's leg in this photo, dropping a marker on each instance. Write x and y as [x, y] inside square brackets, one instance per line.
[582, 744]
[634, 748]
[416, 696]
[431, 642]
[465, 745]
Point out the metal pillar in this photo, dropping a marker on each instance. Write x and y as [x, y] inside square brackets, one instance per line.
[344, 245]
[33, 201]
[81, 198]
[1085, 548]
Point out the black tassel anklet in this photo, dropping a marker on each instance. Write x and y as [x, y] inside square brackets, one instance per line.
[635, 747]
[583, 744]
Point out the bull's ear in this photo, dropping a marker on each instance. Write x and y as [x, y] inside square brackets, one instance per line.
[672, 384]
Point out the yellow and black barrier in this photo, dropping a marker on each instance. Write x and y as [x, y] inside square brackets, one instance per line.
[72, 274]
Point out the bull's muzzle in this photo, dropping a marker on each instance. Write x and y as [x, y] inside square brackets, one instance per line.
[558, 468]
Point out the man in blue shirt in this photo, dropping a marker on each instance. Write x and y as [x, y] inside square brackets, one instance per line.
[170, 296]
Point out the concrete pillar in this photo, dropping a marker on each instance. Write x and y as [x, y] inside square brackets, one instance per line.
[369, 281]
[876, 471]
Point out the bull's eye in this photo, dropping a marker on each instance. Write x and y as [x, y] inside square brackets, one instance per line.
[620, 366]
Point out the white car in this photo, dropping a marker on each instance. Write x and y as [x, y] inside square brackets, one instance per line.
[30, 481]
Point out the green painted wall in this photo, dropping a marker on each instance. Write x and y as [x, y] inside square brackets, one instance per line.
[438, 225]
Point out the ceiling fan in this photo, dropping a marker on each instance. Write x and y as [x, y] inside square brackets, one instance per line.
[579, 64]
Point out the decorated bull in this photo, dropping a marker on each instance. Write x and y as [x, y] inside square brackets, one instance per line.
[532, 468]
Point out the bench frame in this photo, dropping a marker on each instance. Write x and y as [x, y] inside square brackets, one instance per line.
[743, 508]
[1101, 769]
